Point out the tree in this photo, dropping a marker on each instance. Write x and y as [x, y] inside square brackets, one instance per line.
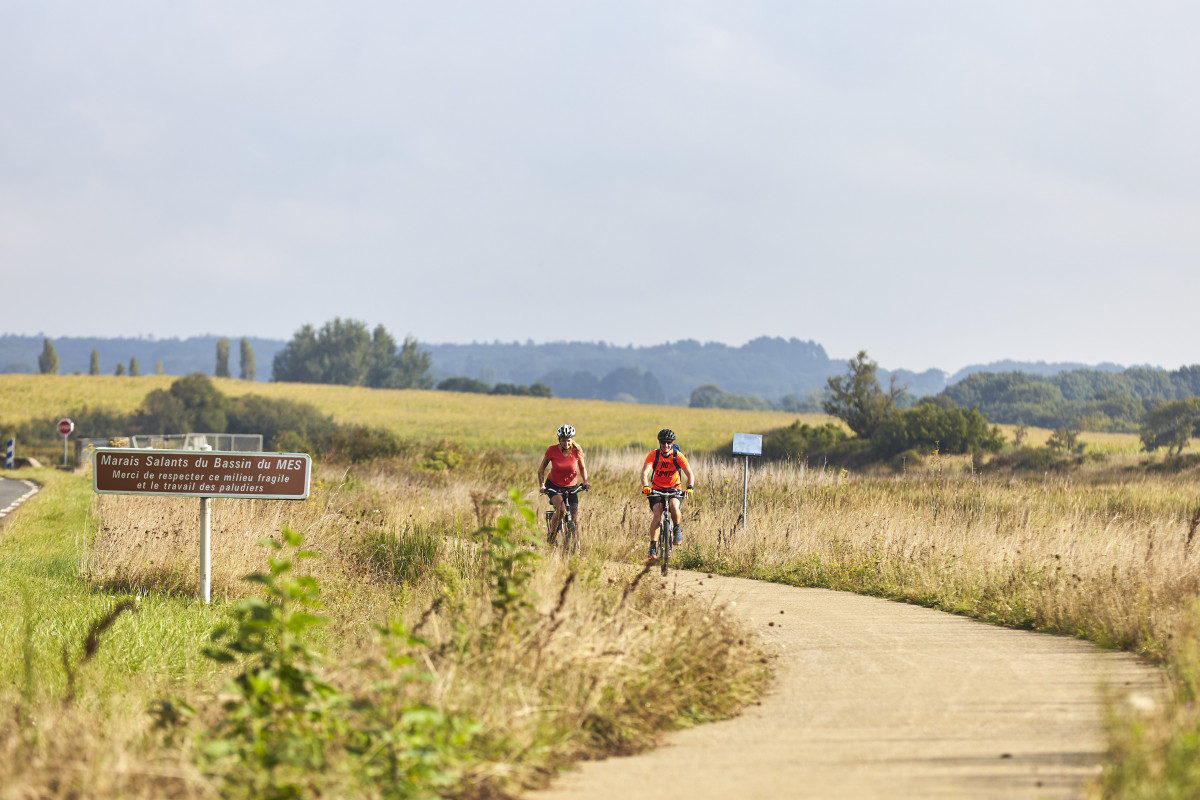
[247, 361]
[134, 369]
[48, 360]
[1171, 425]
[857, 399]
[158, 368]
[222, 370]
[120, 370]
[335, 354]
[391, 370]
[94, 366]
[192, 405]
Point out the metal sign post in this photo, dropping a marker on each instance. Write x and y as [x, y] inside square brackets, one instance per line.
[205, 551]
[65, 426]
[746, 444]
[205, 474]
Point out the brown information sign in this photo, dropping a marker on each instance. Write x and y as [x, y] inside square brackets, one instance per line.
[201, 473]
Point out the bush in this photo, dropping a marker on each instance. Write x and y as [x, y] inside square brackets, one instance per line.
[272, 418]
[801, 440]
[358, 443]
[460, 384]
[939, 426]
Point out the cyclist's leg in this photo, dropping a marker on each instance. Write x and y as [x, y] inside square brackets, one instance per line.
[556, 501]
[556, 520]
[677, 519]
[656, 509]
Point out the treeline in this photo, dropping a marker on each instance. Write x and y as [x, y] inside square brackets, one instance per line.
[472, 386]
[713, 396]
[193, 404]
[128, 356]
[1082, 399]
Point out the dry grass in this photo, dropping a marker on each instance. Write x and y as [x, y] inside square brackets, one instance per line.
[579, 676]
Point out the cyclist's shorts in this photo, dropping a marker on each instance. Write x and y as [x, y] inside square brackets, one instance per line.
[658, 501]
[572, 498]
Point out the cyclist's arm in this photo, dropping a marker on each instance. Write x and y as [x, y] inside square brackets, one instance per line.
[582, 469]
[542, 475]
[646, 474]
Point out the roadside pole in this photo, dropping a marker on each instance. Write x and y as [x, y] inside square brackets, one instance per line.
[205, 552]
[65, 426]
[746, 444]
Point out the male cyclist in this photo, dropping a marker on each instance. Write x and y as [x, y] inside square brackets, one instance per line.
[661, 471]
[565, 460]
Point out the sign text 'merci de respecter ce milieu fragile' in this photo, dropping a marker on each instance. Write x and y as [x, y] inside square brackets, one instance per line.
[201, 473]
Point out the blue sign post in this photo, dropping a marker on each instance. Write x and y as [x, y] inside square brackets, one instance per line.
[9, 448]
[746, 444]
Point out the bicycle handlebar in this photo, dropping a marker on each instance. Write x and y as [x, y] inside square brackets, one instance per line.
[666, 493]
[567, 489]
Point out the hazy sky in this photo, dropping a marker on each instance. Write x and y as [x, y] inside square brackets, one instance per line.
[939, 183]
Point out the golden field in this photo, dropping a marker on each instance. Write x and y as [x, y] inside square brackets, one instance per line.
[480, 422]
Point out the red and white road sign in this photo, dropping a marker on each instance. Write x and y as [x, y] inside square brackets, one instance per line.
[65, 426]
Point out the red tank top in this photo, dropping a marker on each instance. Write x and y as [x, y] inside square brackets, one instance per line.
[564, 467]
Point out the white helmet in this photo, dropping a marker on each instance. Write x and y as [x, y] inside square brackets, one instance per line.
[567, 431]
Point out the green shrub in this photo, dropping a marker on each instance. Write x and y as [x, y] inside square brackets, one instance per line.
[404, 556]
[801, 440]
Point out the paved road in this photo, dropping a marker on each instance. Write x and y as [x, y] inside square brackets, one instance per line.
[13, 493]
[876, 699]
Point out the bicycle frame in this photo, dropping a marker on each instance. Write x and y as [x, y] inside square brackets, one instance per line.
[567, 523]
[666, 525]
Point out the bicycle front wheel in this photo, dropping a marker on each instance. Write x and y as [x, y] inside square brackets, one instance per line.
[570, 537]
[664, 542]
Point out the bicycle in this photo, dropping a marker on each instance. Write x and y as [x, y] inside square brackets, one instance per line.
[666, 528]
[566, 525]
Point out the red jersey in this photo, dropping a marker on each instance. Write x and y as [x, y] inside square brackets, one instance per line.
[564, 467]
[666, 474]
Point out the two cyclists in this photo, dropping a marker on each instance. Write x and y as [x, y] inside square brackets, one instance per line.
[566, 463]
[661, 472]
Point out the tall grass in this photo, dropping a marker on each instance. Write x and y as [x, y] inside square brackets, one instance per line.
[578, 676]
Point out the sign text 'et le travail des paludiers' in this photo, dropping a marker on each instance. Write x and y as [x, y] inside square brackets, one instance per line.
[201, 473]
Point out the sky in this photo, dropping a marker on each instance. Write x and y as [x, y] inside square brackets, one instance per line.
[937, 183]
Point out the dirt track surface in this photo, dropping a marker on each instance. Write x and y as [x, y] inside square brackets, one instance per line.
[875, 699]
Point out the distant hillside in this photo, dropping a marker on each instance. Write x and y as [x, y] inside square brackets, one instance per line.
[765, 367]
[1034, 368]
[768, 368]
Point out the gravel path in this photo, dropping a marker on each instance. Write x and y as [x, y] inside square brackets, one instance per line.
[876, 699]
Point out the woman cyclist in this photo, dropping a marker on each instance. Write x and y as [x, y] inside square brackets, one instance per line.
[661, 471]
[565, 460]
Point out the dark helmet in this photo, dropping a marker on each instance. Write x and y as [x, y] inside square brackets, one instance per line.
[666, 435]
